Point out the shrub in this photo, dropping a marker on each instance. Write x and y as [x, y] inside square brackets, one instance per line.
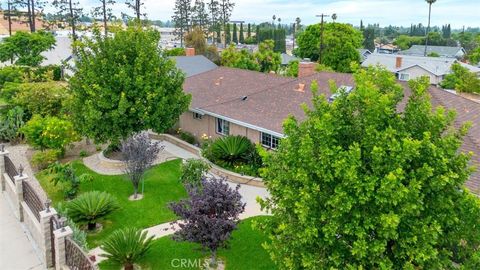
[10, 124]
[49, 132]
[83, 153]
[90, 207]
[78, 236]
[231, 149]
[127, 246]
[10, 74]
[65, 173]
[175, 52]
[188, 137]
[193, 170]
[42, 159]
[43, 98]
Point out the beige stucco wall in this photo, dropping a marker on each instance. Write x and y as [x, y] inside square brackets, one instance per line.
[416, 72]
[206, 125]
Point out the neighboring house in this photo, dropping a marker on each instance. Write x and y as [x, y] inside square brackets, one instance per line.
[408, 67]
[386, 48]
[286, 59]
[193, 64]
[61, 53]
[442, 51]
[229, 101]
[364, 53]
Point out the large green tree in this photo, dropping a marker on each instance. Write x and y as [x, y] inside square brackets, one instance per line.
[123, 84]
[26, 49]
[461, 79]
[340, 44]
[358, 185]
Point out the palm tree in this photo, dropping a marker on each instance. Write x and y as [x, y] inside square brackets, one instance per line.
[296, 25]
[430, 2]
[279, 21]
[334, 17]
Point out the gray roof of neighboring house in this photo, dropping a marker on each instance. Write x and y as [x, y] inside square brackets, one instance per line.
[443, 51]
[193, 65]
[364, 53]
[436, 65]
[61, 52]
[286, 58]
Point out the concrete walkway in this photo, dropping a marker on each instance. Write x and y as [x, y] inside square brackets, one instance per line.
[249, 193]
[16, 249]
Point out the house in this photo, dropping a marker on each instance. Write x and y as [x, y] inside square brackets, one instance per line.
[442, 51]
[408, 67]
[230, 101]
[287, 58]
[192, 64]
[386, 48]
[364, 53]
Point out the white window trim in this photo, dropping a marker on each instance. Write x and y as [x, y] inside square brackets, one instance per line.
[224, 122]
[271, 140]
[404, 74]
[197, 116]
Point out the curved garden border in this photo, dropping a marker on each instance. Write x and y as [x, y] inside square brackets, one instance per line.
[231, 176]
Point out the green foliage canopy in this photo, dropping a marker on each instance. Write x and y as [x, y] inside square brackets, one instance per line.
[25, 48]
[357, 185]
[123, 85]
[340, 42]
[461, 79]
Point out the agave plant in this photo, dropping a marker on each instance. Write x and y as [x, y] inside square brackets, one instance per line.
[231, 149]
[127, 246]
[91, 206]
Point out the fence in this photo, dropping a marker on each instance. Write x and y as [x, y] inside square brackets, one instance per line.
[10, 168]
[75, 258]
[47, 229]
[32, 199]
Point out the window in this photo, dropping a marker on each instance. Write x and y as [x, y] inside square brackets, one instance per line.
[223, 126]
[197, 116]
[404, 76]
[269, 140]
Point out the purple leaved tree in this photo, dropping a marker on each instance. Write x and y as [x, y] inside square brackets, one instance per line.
[209, 215]
[139, 153]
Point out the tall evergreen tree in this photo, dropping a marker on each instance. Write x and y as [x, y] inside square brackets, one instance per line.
[228, 35]
[369, 38]
[249, 31]
[200, 16]
[226, 8]
[235, 36]
[242, 37]
[181, 19]
[214, 12]
[104, 11]
[69, 11]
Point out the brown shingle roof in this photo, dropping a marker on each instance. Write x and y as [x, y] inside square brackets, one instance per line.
[270, 99]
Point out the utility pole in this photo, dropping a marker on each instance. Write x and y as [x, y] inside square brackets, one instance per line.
[321, 36]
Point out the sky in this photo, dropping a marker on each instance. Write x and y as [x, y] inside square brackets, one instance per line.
[458, 13]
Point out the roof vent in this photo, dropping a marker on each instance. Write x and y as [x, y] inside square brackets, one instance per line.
[300, 87]
[244, 98]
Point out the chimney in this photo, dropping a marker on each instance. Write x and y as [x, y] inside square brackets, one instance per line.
[398, 63]
[190, 51]
[306, 68]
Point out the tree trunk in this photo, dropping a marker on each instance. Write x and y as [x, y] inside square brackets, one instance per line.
[213, 259]
[72, 20]
[128, 266]
[92, 226]
[9, 18]
[33, 27]
[135, 191]
[105, 16]
[29, 15]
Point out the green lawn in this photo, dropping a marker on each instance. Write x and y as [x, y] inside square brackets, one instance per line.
[161, 187]
[245, 252]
